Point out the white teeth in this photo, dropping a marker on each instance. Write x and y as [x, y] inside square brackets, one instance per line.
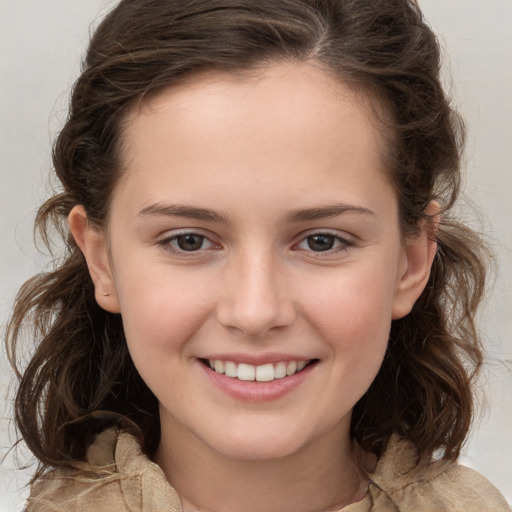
[291, 368]
[280, 371]
[219, 366]
[246, 371]
[262, 373]
[230, 369]
[265, 373]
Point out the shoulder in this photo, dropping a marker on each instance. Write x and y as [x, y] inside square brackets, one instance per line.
[116, 476]
[431, 486]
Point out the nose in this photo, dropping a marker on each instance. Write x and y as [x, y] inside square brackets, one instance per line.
[256, 297]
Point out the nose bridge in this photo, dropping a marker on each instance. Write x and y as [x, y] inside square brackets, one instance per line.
[257, 297]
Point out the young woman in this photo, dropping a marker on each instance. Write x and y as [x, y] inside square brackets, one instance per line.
[265, 303]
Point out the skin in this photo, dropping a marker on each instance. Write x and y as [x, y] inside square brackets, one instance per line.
[262, 153]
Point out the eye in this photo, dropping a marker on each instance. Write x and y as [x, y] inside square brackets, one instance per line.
[321, 242]
[324, 242]
[187, 243]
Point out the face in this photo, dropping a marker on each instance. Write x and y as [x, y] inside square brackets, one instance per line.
[254, 230]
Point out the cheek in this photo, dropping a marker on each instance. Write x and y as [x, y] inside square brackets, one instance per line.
[161, 314]
[353, 315]
[161, 309]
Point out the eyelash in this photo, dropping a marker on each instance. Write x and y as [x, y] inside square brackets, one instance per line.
[340, 244]
[167, 243]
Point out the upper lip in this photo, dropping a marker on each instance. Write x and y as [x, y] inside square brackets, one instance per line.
[256, 359]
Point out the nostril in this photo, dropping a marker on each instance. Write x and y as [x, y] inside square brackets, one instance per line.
[254, 318]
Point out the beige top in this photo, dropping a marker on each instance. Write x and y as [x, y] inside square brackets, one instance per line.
[118, 477]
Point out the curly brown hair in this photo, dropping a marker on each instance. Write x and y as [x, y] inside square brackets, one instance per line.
[81, 378]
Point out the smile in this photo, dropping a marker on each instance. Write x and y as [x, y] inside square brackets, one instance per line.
[262, 373]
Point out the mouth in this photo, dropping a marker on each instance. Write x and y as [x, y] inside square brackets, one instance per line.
[259, 373]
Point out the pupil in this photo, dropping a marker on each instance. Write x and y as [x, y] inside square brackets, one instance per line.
[321, 243]
[190, 242]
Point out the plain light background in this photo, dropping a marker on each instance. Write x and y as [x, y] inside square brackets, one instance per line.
[41, 43]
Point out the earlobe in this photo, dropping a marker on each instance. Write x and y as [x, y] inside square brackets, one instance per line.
[420, 252]
[93, 246]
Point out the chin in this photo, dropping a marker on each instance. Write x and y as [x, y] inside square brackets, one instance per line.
[263, 445]
[257, 452]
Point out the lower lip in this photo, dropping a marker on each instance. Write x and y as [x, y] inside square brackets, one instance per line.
[254, 391]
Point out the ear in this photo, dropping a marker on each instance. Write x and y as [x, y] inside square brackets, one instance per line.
[93, 246]
[420, 251]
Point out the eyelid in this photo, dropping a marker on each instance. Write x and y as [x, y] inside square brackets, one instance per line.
[166, 241]
[346, 240]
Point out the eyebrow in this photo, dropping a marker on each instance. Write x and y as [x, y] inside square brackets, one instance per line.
[324, 212]
[190, 212]
[205, 214]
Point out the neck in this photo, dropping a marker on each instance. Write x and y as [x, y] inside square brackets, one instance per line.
[323, 476]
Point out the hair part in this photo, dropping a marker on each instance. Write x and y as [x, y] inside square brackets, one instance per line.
[81, 377]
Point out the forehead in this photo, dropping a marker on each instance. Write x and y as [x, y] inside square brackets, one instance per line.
[287, 124]
[279, 95]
